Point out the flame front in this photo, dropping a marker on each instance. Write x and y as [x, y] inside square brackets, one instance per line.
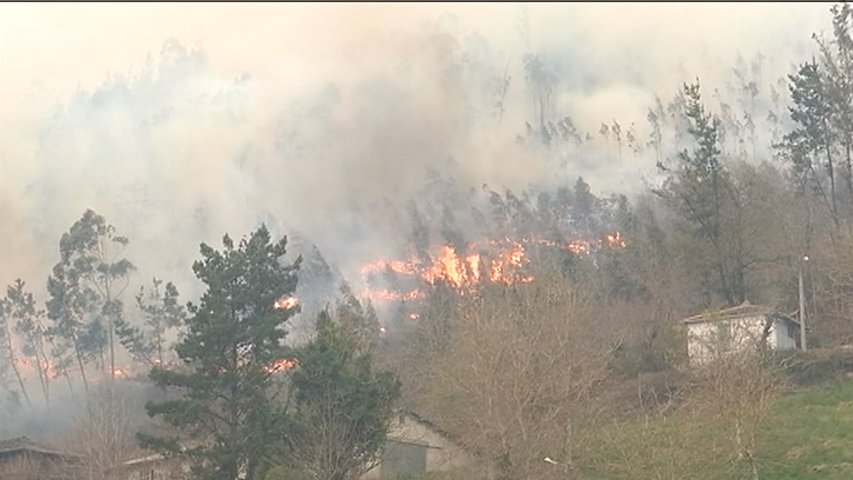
[385, 295]
[578, 247]
[462, 271]
[28, 366]
[615, 240]
[449, 267]
[286, 302]
[281, 365]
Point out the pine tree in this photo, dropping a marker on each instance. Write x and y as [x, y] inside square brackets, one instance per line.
[812, 136]
[700, 189]
[341, 408]
[232, 337]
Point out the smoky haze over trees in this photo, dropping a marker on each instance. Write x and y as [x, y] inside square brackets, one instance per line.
[501, 235]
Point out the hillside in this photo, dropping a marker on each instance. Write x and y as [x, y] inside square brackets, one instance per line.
[808, 434]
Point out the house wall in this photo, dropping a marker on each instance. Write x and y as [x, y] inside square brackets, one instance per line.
[707, 340]
[784, 338]
[406, 433]
[441, 453]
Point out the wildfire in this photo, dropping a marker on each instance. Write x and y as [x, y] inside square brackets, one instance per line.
[456, 270]
[615, 240]
[505, 268]
[462, 271]
[397, 266]
[281, 365]
[28, 365]
[121, 373]
[578, 247]
[453, 269]
[286, 302]
[385, 295]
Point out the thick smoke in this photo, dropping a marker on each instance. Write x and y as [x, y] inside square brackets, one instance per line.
[329, 122]
[334, 143]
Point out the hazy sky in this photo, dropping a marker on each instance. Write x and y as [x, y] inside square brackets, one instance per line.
[316, 115]
[63, 45]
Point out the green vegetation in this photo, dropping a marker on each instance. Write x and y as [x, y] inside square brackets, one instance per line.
[808, 434]
[540, 329]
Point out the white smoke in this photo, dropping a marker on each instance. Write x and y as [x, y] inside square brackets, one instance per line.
[314, 122]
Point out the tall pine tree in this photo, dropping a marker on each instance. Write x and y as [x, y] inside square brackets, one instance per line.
[232, 337]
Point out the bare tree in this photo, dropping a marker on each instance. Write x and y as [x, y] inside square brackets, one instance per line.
[512, 372]
[736, 391]
[104, 434]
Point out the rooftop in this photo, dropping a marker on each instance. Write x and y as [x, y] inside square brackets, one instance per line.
[744, 310]
[25, 444]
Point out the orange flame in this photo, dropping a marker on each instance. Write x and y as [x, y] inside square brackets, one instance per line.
[396, 266]
[452, 269]
[28, 366]
[578, 247]
[384, 295]
[465, 271]
[281, 365]
[286, 302]
[615, 240]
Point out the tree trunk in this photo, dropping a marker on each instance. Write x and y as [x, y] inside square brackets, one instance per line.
[79, 356]
[42, 377]
[110, 311]
[70, 386]
[20, 380]
[849, 176]
[831, 171]
[13, 361]
[159, 341]
[112, 349]
[45, 368]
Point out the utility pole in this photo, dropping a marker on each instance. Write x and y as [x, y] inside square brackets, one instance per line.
[802, 306]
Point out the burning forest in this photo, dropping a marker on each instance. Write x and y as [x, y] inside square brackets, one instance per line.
[501, 262]
[361, 242]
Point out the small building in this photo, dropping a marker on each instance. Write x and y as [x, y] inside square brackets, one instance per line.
[716, 333]
[24, 459]
[152, 467]
[415, 446]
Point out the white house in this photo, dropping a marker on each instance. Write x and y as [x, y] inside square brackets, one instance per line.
[715, 333]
